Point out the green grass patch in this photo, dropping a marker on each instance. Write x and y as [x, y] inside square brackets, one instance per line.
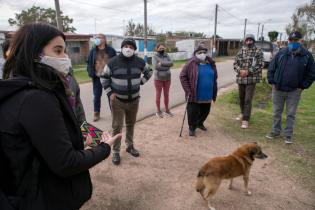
[81, 76]
[298, 160]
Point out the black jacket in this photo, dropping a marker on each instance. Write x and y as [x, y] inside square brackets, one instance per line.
[37, 123]
[289, 71]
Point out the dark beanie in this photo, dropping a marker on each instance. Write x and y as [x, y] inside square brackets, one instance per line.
[129, 41]
[200, 47]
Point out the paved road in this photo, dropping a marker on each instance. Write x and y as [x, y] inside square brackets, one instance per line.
[147, 101]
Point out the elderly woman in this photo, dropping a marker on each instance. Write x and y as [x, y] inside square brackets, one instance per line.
[199, 81]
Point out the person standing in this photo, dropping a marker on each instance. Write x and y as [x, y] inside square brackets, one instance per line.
[43, 162]
[248, 67]
[199, 80]
[5, 50]
[290, 72]
[98, 58]
[162, 78]
[121, 80]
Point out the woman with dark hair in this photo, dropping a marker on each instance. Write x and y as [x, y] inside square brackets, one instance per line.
[43, 164]
[162, 78]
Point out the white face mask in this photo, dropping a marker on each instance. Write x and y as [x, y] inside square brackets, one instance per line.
[62, 65]
[201, 56]
[128, 52]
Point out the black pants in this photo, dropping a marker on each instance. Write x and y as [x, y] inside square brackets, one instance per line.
[197, 114]
[246, 93]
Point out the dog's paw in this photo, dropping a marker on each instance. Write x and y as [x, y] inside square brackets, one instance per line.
[248, 193]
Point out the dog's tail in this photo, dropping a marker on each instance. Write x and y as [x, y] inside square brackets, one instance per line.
[200, 185]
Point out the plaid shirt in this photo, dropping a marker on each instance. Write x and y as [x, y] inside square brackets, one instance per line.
[250, 59]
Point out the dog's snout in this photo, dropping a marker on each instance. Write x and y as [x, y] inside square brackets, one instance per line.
[262, 156]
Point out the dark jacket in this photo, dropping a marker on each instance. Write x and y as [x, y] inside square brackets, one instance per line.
[39, 124]
[123, 76]
[289, 71]
[189, 78]
[92, 56]
[162, 66]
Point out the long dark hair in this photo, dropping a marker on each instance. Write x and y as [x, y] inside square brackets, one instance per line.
[26, 48]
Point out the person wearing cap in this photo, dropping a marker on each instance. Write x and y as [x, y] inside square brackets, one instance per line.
[97, 59]
[248, 66]
[199, 81]
[121, 79]
[162, 78]
[290, 72]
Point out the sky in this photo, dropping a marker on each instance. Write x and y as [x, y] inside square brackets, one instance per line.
[110, 17]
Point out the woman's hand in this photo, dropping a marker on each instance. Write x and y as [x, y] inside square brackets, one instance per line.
[108, 139]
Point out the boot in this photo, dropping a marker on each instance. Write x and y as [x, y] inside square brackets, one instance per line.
[96, 116]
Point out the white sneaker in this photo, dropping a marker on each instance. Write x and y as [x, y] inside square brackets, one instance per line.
[159, 114]
[239, 117]
[168, 113]
[244, 124]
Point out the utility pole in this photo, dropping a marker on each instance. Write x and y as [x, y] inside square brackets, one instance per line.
[262, 33]
[245, 28]
[280, 39]
[258, 31]
[215, 31]
[58, 17]
[145, 31]
[95, 25]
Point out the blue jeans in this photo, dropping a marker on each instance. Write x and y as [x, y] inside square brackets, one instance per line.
[97, 92]
[291, 100]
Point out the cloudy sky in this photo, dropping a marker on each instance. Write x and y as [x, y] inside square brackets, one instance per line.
[109, 17]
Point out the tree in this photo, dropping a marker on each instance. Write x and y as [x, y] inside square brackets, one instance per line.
[38, 14]
[133, 29]
[273, 35]
[296, 25]
[308, 11]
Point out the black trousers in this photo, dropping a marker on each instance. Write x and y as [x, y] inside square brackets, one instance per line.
[197, 113]
[246, 97]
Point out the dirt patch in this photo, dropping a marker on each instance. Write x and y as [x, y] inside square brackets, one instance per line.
[163, 177]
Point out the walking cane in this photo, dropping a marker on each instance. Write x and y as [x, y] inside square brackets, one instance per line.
[181, 129]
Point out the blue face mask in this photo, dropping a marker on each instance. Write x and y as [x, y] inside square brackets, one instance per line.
[97, 41]
[294, 46]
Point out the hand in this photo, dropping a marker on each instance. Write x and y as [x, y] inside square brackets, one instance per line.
[108, 139]
[88, 140]
[112, 97]
[243, 73]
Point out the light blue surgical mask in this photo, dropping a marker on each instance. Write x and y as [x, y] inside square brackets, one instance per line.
[97, 41]
[294, 46]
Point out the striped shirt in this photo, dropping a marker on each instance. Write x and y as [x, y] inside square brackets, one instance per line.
[123, 76]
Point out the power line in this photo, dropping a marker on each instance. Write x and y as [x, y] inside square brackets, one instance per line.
[100, 6]
[222, 9]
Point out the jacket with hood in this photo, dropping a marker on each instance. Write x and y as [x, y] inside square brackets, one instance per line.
[38, 123]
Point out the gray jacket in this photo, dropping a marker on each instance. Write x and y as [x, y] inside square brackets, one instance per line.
[162, 65]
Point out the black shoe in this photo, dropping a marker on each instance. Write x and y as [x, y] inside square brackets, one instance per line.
[133, 151]
[192, 132]
[116, 159]
[202, 127]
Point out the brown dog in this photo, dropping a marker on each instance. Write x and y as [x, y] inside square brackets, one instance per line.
[228, 167]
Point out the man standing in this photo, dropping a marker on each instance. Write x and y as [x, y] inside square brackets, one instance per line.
[121, 80]
[98, 58]
[248, 66]
[290, 72]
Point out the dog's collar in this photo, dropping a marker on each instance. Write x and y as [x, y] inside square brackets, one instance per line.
[250, 162]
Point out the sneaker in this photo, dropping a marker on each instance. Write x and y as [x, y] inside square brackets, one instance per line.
[202, 127]
[159, 114]
[244, 124]
[272, 135]
[96, 116]
[133, 151]
[239, 117]
[288, 140]
[168, 113]
[116, 158]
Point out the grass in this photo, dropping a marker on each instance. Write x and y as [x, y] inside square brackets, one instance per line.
[297, 160]
[81, 75]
